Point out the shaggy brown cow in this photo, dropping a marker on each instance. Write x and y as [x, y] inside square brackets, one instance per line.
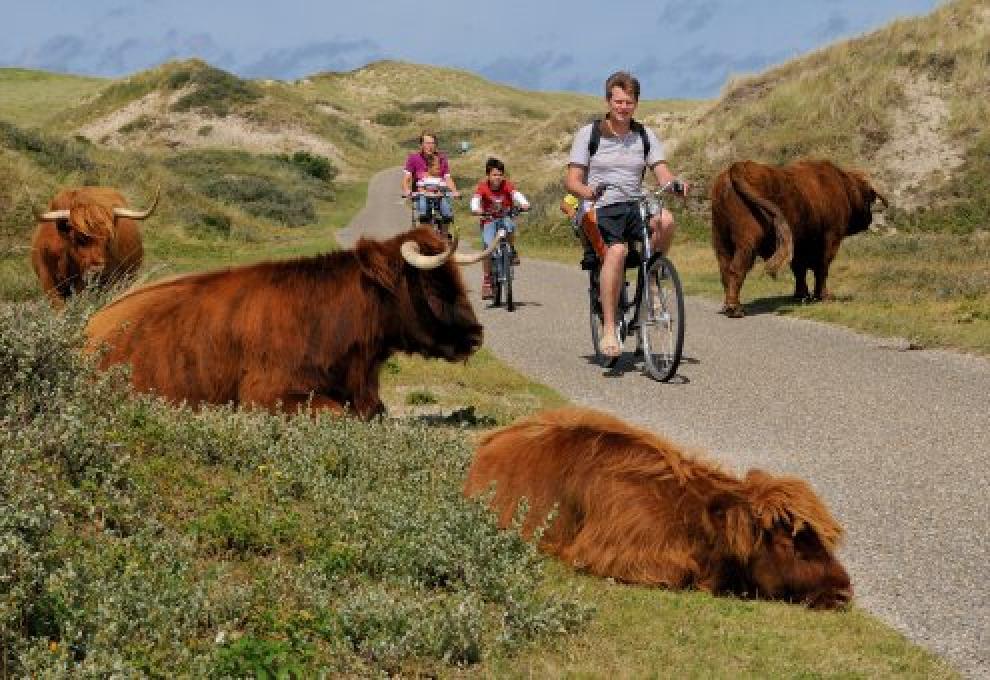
[796, 213]
[284, 333]
[631, 505]
[87, 232]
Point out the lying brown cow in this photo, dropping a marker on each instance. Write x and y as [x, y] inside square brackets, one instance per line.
[87, 233]
[797, 213]
[631, 506]
[313, 330]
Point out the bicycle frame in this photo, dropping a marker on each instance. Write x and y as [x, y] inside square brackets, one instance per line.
[433, 200]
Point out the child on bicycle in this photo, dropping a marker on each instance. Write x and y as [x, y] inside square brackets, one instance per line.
[428, 172]
[494, 197]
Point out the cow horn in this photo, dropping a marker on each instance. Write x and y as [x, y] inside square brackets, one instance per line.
[410, 253]
[463, 258]
[139, 214]
[52, 215]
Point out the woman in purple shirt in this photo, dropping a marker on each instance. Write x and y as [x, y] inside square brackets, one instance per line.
[428, 172]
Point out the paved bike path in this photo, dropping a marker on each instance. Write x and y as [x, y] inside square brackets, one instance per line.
[897, 442]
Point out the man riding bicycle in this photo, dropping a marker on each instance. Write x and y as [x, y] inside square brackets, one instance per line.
[607, 164]
[494, 197]
[428, 173]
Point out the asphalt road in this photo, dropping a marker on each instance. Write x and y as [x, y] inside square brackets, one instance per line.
[897, 442]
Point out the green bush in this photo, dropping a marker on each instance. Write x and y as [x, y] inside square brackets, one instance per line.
[313, 165]
[214, 91]
[392, 118]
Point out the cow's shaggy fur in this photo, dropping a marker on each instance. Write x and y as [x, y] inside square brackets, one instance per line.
[632, 506]
[795, 214]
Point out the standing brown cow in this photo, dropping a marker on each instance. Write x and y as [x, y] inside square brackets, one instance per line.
[87, 233]
[313, 330]
[631, 506]
[796, 213]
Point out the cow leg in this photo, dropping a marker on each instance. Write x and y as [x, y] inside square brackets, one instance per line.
[724, 261]
[630, 557]
[821, 270]
[800, 269]
[742, 262]
[362, 386]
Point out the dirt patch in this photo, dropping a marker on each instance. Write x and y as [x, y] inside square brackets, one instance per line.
[149, 122]
[919, 155]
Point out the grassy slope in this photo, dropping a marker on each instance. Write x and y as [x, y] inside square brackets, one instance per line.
[863, 103]
[33, 98]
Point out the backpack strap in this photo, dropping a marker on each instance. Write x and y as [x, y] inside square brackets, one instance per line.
[596, 136]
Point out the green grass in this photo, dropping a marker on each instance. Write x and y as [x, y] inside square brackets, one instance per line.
[32, 98]
[646, 633]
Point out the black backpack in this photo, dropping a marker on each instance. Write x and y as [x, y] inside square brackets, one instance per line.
[596, 136]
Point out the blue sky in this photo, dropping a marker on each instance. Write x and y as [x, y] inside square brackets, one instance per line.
[678, 49]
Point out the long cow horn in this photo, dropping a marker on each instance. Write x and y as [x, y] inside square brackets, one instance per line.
[139, 214]
[410, 253]
[52, 215]
[463, 258]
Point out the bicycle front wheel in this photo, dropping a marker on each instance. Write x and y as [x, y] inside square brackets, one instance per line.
[661, 319]
[597, 328]
[510, 305]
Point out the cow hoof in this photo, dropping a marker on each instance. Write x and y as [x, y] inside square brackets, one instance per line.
[733, 311]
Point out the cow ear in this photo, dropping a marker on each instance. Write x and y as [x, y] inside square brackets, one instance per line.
[377, 266]
[731, 524]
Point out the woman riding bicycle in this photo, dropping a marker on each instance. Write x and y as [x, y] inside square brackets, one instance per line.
[617, 151]
[428, 172]
[493, 198]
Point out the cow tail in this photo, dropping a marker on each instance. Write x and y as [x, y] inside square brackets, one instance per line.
[782, 230]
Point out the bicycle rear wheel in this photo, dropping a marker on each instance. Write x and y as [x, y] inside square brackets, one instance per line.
[661, 319]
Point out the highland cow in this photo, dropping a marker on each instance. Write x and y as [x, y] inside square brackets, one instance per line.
[632, 506]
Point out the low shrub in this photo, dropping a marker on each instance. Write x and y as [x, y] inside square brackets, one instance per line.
[260, 197]
[138, 538]
[55, 154]
[425, 106]
[142, 122]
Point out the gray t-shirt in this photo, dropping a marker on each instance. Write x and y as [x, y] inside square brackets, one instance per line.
[619, 160]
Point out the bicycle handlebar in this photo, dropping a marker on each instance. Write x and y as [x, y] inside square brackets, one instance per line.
[511, 212]
[674, 186]
[438, 193]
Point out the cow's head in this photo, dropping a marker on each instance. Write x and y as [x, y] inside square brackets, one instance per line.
[777, 540]
[88, 229]
[862, 196]
[418, 270]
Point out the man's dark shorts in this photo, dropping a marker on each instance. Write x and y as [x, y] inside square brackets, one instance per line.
[619, 222]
